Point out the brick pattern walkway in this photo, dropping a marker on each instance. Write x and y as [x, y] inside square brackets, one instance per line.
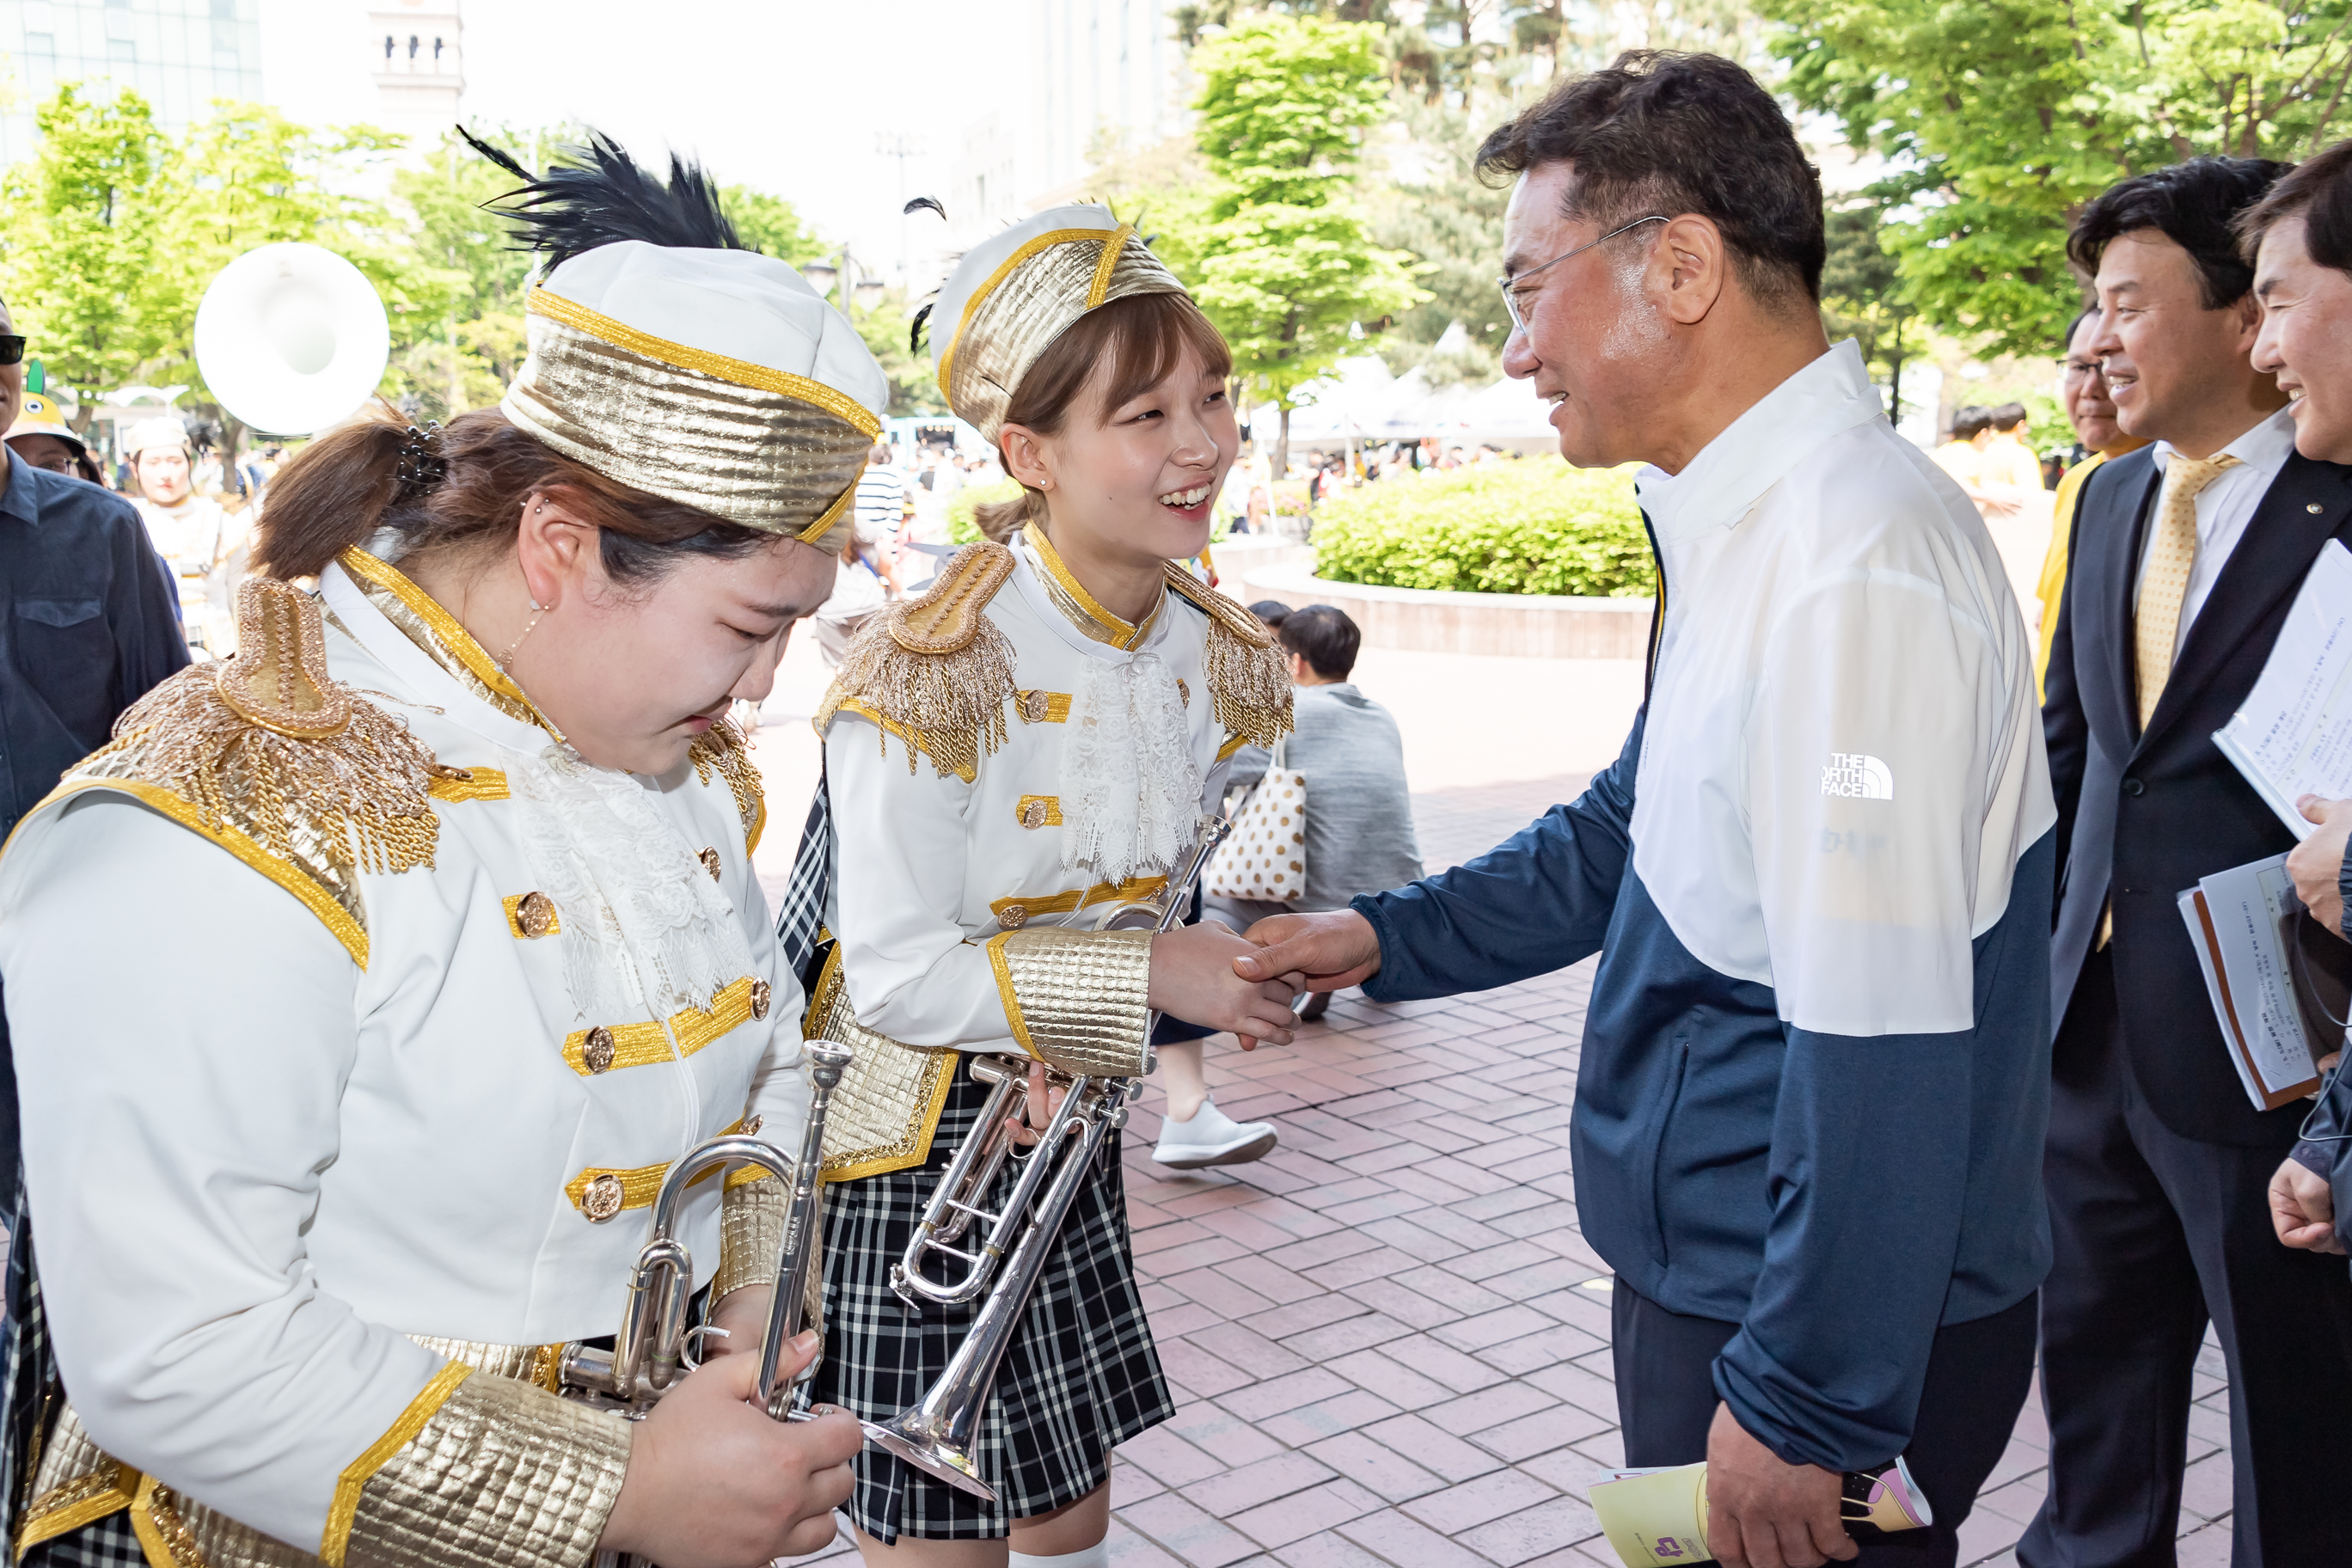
[1389, 1341]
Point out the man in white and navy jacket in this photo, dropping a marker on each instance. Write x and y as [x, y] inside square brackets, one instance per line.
[1815, 1076]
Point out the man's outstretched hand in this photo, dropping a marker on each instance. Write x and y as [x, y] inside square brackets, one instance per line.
[1325, 952]
[1764, 1512]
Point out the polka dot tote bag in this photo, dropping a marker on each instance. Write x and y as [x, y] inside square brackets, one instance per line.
[1266, 857]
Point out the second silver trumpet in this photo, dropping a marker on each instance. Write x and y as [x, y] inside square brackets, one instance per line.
[936, 1435]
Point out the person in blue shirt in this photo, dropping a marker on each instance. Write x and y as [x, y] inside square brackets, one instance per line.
[92, 624]
[1815, 1075]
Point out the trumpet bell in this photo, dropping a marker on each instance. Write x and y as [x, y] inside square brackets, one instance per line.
[916, 1437]
[291, 339]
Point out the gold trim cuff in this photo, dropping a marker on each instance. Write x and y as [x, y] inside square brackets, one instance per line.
[750, 1235]
[500, 1475]
[1076, 1001]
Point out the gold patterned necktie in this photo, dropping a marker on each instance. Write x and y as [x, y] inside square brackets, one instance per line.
[2170, 553]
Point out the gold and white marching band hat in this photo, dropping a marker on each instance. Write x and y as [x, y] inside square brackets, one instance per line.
[1009, 298]
[667, 357]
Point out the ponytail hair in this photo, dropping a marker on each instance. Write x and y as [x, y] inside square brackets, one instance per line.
[346, 486]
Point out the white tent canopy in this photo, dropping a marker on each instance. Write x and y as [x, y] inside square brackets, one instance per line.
[1361, 402]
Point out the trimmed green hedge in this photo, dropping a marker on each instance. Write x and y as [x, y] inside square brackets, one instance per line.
[1534, 526]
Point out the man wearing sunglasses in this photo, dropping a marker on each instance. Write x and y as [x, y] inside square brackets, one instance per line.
[1815, 1070]
[90, 627]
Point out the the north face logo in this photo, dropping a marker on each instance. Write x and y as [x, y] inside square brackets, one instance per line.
[1857, 777]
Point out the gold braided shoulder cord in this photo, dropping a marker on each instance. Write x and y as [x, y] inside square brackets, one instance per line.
[723, 750]
[1249, 679]
[935, 670]
[271, 741]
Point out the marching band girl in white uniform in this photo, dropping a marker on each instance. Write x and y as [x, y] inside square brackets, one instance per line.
[1036, 739]
[319, 1184]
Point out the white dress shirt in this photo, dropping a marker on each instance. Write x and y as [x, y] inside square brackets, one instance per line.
[2224, 509]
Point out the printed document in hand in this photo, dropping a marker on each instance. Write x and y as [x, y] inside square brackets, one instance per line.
[2293, 736]
[2273, 1004]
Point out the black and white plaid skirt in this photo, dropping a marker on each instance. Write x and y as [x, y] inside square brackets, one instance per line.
[1080, 1378]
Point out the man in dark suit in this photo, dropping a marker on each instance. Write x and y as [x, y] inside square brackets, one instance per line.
[2185, 557]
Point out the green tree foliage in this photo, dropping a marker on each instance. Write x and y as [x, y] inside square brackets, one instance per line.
[1454, 224]
[1861, 298]
[1536, 526]
[465, 339]
[114, 229]
[771, 225]
[1287, 267]
[2007, 116]
[84, 269]
[914, 389]
[253, 177]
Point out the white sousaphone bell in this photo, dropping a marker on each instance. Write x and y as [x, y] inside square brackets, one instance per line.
[291, 339]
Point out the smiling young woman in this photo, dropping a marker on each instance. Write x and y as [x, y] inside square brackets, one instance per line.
[1033, 743]
[446, 942]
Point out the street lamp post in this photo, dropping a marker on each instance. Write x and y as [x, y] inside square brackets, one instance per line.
[896, 144]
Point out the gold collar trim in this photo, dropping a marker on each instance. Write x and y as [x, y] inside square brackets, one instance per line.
[677, 356]
[1083, 612]
[438, 633]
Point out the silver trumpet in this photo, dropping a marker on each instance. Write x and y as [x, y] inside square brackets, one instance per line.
[936, 1437]
[650, 1354]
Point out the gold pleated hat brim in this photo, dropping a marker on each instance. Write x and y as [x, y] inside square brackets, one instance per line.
[761, 447]
[1036, 296]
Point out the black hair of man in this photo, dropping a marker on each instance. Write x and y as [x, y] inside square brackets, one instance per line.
[2008, 416]
[1970, 422]
[1664, 132]
[2194, 205]
[2319, 191]
[1325, 638]
[1271, 611]
[2066, 343]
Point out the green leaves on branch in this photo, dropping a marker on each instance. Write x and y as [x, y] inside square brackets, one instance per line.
[83, 264]
[2005, 117]
[113, 227]
[1284, 262]
[1535, 526]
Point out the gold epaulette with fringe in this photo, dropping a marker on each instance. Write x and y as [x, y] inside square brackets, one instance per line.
[277, 762]
[721, 748]
[1249, 680]
[935, 670]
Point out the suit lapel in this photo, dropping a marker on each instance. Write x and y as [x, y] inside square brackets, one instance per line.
[2307, 503]
[2107, 543]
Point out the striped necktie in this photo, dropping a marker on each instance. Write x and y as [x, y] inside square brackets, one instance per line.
[2170, 553]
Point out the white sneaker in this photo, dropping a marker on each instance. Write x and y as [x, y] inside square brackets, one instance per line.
[1212, 1138]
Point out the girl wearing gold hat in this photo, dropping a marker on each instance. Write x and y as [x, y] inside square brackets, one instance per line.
[1037, 739]
[322, 1180]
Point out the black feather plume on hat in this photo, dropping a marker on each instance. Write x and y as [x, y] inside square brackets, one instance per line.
[598, 195]
[919, 203]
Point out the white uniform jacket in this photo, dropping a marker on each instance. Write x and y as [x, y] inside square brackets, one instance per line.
[299, 1086]
[961, 923]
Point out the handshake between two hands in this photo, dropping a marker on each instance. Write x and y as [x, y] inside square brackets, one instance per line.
[1245, 983]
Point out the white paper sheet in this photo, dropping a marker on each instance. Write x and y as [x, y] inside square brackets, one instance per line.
[2242, 922]
[2294, 735]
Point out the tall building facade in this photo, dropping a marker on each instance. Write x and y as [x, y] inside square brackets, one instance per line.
[415, 51]
[179, 55]
[1094, 79]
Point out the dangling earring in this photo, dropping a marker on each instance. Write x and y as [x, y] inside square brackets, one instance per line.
[505, 659]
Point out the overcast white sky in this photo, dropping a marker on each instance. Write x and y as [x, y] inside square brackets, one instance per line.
[786, 95]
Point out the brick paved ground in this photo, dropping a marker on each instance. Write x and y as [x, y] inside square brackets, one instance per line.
[1389, 1341]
